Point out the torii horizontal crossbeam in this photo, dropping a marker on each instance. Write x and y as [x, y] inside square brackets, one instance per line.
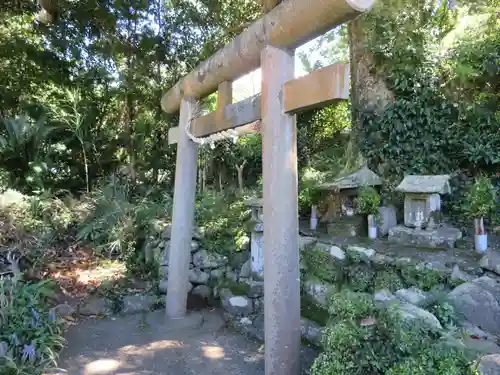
[319, 88]
[289, 25]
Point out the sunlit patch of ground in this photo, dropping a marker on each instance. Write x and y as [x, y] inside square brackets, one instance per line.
[79, 272]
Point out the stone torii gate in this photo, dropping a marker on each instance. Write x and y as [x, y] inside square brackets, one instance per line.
[269, 43]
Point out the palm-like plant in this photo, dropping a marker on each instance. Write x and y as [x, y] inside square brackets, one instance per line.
[22, 145]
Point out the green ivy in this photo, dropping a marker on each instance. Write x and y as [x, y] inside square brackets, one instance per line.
[445, 116]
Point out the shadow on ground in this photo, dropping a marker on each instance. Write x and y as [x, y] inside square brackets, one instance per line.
[151, 344]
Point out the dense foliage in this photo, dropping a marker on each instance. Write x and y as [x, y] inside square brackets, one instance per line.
[30, 332]
[442, 66]
[363, 338]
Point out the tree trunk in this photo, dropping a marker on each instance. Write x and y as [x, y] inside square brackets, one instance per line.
[369, 91]
[239, 169]
[220, 181]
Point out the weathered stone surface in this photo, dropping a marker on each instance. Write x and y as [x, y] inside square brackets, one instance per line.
[479, 302]
[439, 237]
[490, 365]
[231, 275]
[194, 246]
[237, 305]
[96, 306]
[167, 232]
[388, 219]
[164, 254]
[135, 304]
[205, 260]
[202, 290]
[217, 273]
[306, 241]
[413, 295]
[246, 321]
[414, 313]
[311, 331]
[384, 297]
[362, 251]
[258, 305]
[491, 262]
[482, 347]
[318, 291]
[197, 276]
[337, 253]
[256, 289]
[162, 286]
[246, 269]
[381, 259]
[64, 310]
[474, 331]
[458, 275]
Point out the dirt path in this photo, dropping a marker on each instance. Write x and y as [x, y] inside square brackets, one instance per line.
[152, 345]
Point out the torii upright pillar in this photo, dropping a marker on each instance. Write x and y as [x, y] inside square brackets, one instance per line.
[281, 251]
[183, 215]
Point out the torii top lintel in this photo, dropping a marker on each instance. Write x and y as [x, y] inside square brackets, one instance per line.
[290, 24]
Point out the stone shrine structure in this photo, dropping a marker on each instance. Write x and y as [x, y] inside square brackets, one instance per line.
[257, 237]
[423, 223]
[337, 210]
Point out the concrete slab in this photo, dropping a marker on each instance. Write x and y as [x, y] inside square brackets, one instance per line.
[151, 344]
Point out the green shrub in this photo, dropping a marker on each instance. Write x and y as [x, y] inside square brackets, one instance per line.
[368, 201]
[480, 200]
[318, 264]
[362, 339]
[29, 331]
[421, 277]
[120, 219]
[434, 361]
[224, 219]
[361, 278]
[388, 279]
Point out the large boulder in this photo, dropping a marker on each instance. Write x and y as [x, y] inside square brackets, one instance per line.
[96, 306]
[318, 291]
[197, 276]
[412, 313]
[246, 270]
[491, 262]
[311, 331]
[479, 303]
[205, 260]
[490, 365]
[384, 297]
[414, 296]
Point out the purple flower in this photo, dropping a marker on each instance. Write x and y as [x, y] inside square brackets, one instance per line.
[35, 314]
[14, 340]
[29, 352]
[52, 315]
[36, 318]
[35, 323]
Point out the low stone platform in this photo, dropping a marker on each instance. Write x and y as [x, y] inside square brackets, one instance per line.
[440, 237]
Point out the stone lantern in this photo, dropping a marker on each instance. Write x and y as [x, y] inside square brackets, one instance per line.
[257, 236]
